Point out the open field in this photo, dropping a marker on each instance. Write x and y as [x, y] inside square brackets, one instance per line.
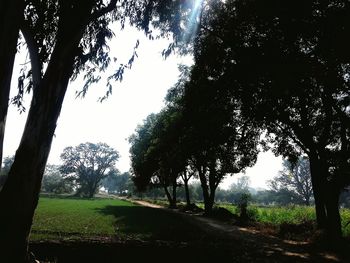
[74, 219]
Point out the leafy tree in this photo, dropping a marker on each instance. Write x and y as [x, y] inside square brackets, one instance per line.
[87, 164]
[295, 178]
[117, 183]
[219, 140]
[155, 156]
[53, 181]
[288, 66]
[64, 38]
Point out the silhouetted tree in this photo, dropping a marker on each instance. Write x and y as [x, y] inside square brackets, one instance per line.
[156, 153]
[287, 64]
[87, 164]
[9, 30]
[220, 141]
[64, 38]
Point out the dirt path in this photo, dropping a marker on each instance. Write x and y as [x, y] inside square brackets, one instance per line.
[251, 245]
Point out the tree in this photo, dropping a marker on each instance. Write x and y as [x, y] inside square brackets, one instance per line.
[156, 155]
[87, 164]
[117, 183]
[288, 66]
[220, 141]
[63, 38]
[53, 181]
[295, 178]
[9, 30]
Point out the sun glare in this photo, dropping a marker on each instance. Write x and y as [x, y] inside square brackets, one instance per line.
[194, 22]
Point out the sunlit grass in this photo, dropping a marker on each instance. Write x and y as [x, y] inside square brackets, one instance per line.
[73, 217]
[292, 214]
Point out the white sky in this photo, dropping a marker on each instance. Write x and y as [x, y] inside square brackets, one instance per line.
[140, 93]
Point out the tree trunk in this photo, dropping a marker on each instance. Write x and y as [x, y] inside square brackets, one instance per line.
[20, 194]
[333, 215]
[168, 195]
[326, 194]
[318, 189]
[10, 16]
[174, 194]
[187, 193]
[208, 204]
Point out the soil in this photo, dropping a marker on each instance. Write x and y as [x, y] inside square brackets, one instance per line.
[224, 242]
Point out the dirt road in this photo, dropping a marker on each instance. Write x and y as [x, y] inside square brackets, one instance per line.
[250, 245]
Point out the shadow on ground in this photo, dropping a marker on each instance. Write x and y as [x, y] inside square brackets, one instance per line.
[152, 223]
[145, 234]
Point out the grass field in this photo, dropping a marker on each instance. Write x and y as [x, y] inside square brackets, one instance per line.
[65, 218]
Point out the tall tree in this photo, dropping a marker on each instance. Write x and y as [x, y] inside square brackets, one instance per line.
[63, 38]
[9, 30]
[87, 164]
[288, 65]
[219, 139]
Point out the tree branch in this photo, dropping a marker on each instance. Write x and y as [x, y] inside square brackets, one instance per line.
[109, 8]
[33, 52]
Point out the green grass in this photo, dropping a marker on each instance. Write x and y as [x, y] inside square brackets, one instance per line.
[293, 214]
[66, 218]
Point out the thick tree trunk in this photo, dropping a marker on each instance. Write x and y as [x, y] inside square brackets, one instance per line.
[333, 215]
[10, 17]
[20, 194]
[326, 194]
[208, 202]
[318, 189]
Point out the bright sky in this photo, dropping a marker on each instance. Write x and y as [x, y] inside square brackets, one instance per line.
[140, 93]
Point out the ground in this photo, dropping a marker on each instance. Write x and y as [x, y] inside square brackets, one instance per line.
[217, 241]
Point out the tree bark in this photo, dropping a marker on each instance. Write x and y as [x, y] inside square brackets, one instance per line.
[20, 194]
[168, 195]
[333, 215]
[174, 193]
[326, 194]
[187, 193]
[208, 204]
[10, 17]
[318, 189]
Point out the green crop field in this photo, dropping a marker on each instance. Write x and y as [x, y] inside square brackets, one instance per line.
[65, 218]
[293, 214]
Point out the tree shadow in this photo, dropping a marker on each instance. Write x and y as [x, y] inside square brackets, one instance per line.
[152, 224]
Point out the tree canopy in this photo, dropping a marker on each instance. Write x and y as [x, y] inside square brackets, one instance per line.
[296, 178]
[284, 64]
[87, 164]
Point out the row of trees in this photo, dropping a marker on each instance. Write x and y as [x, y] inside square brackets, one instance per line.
[198, 136]
[281, 68]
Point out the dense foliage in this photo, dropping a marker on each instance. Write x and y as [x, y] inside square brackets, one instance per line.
[87, 164]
